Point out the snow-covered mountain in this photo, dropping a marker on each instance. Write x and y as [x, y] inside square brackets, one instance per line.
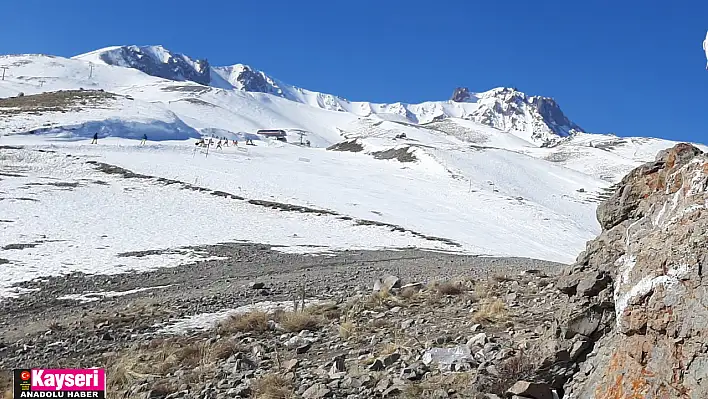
[536, 119]
[438, 168]
[508, 109]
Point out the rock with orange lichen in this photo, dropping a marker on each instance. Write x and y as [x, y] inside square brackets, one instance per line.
[639, 292]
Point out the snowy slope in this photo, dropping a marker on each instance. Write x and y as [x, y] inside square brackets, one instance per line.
[81, 114]
[471, 170]
[73, 217]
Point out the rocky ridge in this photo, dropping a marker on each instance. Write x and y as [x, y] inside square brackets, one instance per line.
[637, 316]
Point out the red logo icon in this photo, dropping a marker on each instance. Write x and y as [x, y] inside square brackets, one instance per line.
[25, 375]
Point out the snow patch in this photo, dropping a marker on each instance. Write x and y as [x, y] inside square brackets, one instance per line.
[205, 321]
[95, 296]
[645, 286]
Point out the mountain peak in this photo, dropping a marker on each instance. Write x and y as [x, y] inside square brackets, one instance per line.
[508, 108]
[246, 78]
[154, 60]
[460, 94]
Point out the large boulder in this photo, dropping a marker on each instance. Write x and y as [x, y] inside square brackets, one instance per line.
[637, 310]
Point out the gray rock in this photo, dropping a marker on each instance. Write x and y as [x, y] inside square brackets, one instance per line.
[338, 369]
[290, 365]
[387, 283]
[317, 391]
[531, 390]
[242, 390]
[479, 340]
[415, 286]
[579, 348]
[377, 365]
[390, 359]
[593, 283]
[392, 391]
[256, 285]
[383, 384]
[303, 349]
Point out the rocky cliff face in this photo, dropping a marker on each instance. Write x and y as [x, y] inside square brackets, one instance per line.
[160, 62]
[460, 94]
[509, 109]
[636, 319]
[245, 78]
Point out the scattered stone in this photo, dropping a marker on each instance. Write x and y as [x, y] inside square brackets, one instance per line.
[317, 391]
[377, 365]
[290, 365]
[303, 349]
[531, 390]
[392, 391]
[389, 360]
[338, 369]
[478, 340]
[387, 283]
[383, 384]
[256, 285]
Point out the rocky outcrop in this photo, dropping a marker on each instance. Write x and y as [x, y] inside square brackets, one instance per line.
[508, 109]
[636, 319]
[160, 62]
[461, 94]
[256, 81]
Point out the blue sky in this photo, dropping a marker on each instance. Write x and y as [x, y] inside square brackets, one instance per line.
[634, 68]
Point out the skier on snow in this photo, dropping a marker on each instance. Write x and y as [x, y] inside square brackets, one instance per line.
[95, 138]
[145, 137]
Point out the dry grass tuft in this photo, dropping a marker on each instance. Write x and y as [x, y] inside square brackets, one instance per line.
[346, 330]
[273, 386]
[223, 349]
[255, 321]
[491, 311]
[461, 383]
[409, 293]
[389, 348]
[377, 299]
[299, 321]
[522, 366]
[329, 311]
[191, 355]
[154, 361]
[450, 288]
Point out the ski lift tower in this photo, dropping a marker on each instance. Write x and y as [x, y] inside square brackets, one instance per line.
[301, 134]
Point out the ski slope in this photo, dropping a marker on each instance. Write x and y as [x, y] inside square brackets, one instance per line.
[477, 179]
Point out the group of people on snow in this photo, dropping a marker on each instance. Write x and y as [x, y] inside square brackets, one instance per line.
[223, 142]
[142, 142]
